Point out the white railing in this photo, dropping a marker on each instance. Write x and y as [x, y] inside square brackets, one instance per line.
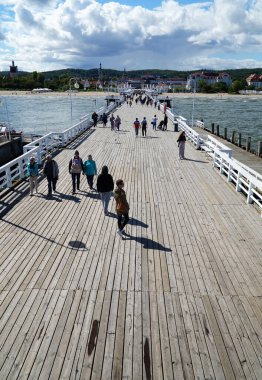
[15, 170]
[191, 134]
[245, 181]
[200, 124]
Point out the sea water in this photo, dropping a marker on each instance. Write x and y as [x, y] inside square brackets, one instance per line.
[41, 114]
[240, 114]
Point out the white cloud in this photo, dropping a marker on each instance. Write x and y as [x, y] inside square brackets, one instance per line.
[46, 35]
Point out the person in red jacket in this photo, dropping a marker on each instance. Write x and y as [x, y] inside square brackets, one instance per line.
[136, 126]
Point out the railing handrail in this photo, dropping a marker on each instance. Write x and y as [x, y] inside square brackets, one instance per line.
[16, 169]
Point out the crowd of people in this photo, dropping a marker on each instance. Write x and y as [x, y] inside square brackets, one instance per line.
[76, 166]
[105, 182]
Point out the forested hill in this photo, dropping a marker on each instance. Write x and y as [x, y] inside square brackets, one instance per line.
[236, 74]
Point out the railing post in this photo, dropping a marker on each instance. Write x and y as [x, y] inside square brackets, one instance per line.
[250, 193]
[233, 137]
[217, 130]
[212, 128]
[198, 142]
[259, 149]
[229, 179]
[248, 145]
[239, 139]
[21, 169]
[225, 133]
[238, 188]
[8, 177]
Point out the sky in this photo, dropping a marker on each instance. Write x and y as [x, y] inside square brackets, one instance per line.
[44, 35]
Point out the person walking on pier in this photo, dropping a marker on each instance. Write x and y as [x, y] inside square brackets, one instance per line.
[104, 119]
[165, 122]
[112, 122]
[117, 122]
[51, 171]
[105, 186]
[181, 145]
[136, 126]
[76, 166]
[144, 127]
[90, 171]
[32, 173]
[154, 122]
[122, 206]
[95, 118]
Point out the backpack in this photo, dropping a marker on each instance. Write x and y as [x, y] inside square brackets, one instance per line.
[144, 123]
[76, 165]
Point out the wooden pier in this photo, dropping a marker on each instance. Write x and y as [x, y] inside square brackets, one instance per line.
[180, 297]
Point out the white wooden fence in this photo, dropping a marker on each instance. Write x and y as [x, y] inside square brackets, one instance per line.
[245, 179]
[15, 170]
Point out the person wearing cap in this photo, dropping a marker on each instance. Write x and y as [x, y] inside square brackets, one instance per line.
[32, 173]
[51, 171]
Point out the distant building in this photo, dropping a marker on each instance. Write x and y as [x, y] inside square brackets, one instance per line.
[13, 70]
[254, 80]
[209, 77]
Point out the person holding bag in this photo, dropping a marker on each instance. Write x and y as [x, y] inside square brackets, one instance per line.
[122, 206]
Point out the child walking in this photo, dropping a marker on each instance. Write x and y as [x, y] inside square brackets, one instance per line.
[122, 206]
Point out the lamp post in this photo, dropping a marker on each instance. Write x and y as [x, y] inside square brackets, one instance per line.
[76, 86]
[193, 105]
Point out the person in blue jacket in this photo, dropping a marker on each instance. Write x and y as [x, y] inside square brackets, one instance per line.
[90, 171]
[32, 173]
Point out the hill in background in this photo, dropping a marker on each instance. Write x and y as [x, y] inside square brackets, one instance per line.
[236, 74]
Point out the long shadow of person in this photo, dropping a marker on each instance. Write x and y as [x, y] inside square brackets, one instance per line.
[67, 197]
[147, 243]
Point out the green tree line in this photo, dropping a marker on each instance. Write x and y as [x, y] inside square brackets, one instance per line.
[58, 80]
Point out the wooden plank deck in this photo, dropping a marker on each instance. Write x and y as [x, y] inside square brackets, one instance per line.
[180, 297]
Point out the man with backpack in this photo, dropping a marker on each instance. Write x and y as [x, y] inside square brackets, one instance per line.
[75, 168]
[144, 126]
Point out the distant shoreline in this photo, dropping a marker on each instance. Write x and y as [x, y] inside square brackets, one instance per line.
[104, 94]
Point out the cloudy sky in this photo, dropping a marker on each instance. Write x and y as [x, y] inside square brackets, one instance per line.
[42, 35]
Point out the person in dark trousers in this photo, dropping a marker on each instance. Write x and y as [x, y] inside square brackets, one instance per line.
[104, 119]
[75, 168]
[144, 126]
[122, 206]
[165, 122]
[32, 173]
[112, 122]
[136, 126]
[90, 171]
[95, 118]
[181, 145]
[51, 171]
[105, 186]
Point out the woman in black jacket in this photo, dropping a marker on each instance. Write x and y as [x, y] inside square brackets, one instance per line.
[105, 186]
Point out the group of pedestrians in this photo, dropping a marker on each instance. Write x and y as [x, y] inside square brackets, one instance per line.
[105, 183]
[143, 125]
[115, 122]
